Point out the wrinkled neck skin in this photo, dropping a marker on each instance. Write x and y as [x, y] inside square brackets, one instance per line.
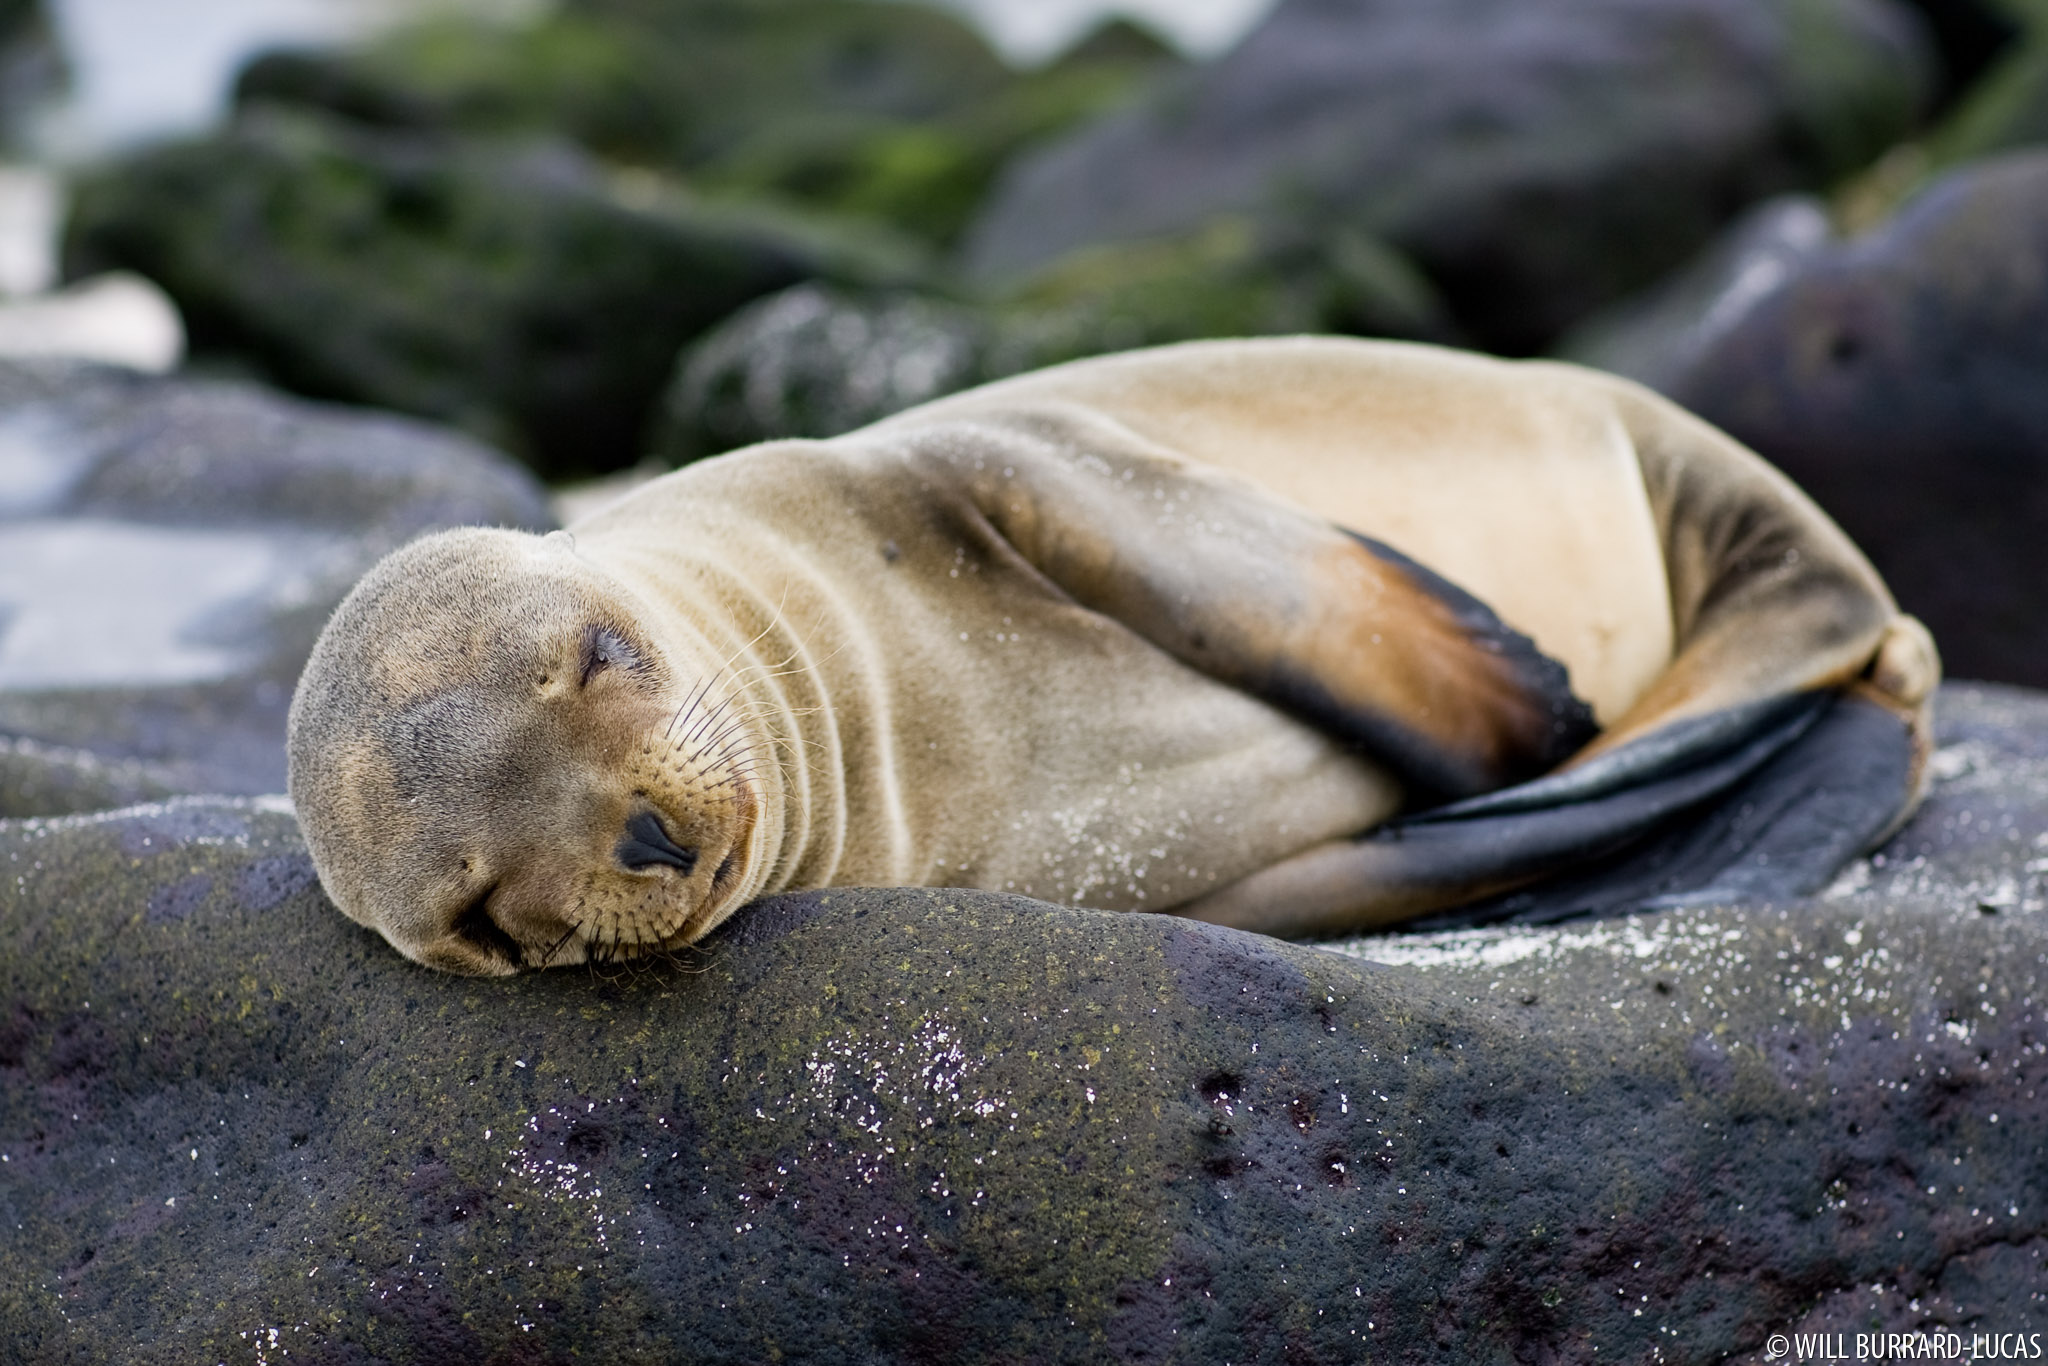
[746, 682]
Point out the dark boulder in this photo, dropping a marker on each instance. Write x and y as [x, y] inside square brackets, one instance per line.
[170, 547]
[1897, 376]
[908, 1126]
[522, 292]
[1536, 159]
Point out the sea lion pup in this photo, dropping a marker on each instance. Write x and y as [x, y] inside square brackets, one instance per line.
[1298, 635]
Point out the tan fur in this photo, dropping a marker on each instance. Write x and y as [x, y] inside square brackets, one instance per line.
[1005, 641]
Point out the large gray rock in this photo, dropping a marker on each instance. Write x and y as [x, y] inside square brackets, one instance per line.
[168, 550]
[1537, 159]
[909, 1126]
[1898, 377]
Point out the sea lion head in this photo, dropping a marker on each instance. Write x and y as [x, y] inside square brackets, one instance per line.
[502, 759]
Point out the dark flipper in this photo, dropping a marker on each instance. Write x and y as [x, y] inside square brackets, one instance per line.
[1782, 830]
[1764, 801]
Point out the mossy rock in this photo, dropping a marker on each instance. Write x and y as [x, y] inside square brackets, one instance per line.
[929, 175]
[904, 1126]
[1535, 159]
[894, 111]
[670, 83]
[520, 291]
[814, 361]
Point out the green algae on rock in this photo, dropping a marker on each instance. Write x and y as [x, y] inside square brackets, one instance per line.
[520, 291]
[1536, 160]
[892, 111]
[912, 1125]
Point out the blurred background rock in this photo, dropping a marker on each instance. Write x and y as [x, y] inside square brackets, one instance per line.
[614, 235]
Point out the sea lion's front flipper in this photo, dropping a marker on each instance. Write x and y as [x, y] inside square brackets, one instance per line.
[1342, 631]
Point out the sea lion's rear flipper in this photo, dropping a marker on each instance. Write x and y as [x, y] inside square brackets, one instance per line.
[1340, 630]
[1783, 829]
[1756, 803]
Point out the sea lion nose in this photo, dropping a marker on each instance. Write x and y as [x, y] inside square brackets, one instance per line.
[646, 843]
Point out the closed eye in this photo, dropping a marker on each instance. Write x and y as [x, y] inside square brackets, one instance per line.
[476, 927]
[604, 648]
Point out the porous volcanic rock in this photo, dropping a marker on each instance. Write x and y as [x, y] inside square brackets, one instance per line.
[169, 548]
[1897, 377]
[929, 1125]
[1535, 158]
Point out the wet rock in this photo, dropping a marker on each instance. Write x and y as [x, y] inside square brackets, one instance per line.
[932, 1125]
[521, 292]
[814, 361]
[1895, 376]
[168, 550]
[1536, 160]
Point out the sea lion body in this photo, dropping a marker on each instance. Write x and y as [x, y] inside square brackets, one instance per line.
[1164, 630]
[948, 717]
